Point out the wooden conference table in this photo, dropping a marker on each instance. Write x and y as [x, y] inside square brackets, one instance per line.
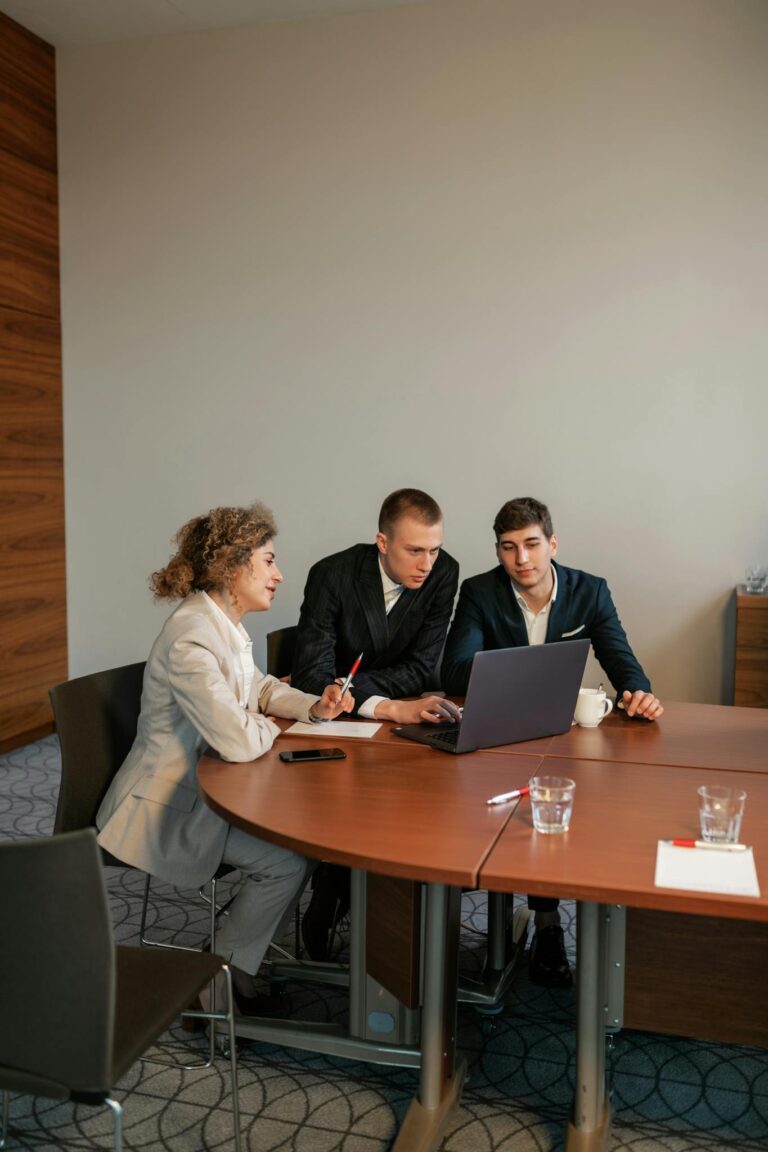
[398, 809]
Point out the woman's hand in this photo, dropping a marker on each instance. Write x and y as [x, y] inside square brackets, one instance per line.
[331, 704]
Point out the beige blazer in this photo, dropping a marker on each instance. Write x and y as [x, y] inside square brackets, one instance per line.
[152, 816]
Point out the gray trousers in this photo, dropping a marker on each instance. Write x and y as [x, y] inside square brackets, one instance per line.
[273, 879]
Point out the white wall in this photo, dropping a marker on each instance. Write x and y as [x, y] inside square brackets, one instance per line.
[485, 247]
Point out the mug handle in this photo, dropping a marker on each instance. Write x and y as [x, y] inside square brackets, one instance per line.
[608, 707]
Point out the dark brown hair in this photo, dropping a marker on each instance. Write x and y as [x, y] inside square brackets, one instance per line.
[211, 548]
[408, 502]
[521, 512]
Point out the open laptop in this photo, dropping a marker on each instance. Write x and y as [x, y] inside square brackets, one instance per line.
[513, 694]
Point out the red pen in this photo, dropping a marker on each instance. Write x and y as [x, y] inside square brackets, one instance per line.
[721, 847]
[354, 669]
[505, 796]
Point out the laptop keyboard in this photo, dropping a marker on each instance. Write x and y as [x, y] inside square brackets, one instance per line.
[448, 736]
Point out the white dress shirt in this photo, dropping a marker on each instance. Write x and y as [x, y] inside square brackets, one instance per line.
[536, 622]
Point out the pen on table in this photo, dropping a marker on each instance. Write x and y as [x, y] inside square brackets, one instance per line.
[352, 671]
[707, 844]
[505, 796]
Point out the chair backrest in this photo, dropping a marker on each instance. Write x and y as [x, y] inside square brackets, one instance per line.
[280, 646]
[57, 992]
[96, 719]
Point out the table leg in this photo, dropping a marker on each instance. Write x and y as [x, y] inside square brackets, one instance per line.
[356, 1042]
[357, 966]
[487, 993]
[441, 1079]
[589, 1128]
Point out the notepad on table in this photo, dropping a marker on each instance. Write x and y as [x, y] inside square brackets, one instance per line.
[701, 870]
[340, 729]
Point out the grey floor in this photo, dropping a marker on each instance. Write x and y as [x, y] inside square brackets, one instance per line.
[668, 1093]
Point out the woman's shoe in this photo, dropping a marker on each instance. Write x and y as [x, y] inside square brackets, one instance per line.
[262, 1004]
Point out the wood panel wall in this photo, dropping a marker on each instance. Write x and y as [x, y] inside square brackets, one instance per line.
[33, 635]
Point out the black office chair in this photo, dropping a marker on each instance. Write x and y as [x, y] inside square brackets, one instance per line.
[76, 1011]
[96, 718]
[280, 648]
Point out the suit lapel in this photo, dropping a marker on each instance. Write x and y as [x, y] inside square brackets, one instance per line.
[558, 617]
[370, 594]
[513, 627]
[198, 602]
[398, 614]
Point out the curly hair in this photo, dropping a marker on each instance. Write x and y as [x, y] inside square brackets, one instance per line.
[211, 548]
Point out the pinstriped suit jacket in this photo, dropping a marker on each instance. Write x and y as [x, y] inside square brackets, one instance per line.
[343, 614]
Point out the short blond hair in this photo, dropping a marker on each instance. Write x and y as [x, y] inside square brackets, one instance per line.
[408, 502]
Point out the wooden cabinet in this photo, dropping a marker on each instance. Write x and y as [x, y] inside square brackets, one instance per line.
[750, 687]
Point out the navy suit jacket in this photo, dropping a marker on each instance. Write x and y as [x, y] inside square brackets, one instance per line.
[488, 617]
[343, 615]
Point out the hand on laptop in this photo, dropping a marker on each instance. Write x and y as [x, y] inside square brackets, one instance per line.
[429, 709]
[643, 705]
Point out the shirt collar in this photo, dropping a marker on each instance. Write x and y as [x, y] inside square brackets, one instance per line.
[553, 597]
[237, 631]
[387, 584]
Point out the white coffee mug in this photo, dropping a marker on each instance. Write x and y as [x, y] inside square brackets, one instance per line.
[592, 707]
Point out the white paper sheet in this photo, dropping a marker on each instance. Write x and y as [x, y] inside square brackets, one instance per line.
[706, 870]
[339, 729]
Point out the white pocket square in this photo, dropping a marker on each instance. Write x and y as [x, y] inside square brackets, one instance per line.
[575, 632]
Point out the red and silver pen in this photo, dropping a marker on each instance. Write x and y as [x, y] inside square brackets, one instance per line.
[353, 669]
[506, 796]
[707, 844]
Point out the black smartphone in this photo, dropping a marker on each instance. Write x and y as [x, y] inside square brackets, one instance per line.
[313, 754]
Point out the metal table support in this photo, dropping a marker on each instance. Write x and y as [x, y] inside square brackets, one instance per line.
[353, 1043]
[590, 1124]
[441, 1079]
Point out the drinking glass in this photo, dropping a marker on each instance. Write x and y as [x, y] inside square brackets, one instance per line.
[551, 803]
[720, 813]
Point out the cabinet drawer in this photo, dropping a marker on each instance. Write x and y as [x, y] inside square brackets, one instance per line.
[751, 629]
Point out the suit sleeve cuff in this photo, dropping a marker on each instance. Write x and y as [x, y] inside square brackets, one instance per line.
[368, 708]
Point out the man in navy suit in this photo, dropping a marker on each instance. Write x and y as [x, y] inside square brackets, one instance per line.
[529, 599]
[392, 601]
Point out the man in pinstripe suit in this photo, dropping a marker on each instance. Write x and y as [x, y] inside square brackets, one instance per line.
[392, 601]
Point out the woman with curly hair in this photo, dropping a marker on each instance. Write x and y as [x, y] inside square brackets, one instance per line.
[201, 690]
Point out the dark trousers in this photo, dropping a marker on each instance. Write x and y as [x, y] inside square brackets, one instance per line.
[542, 904]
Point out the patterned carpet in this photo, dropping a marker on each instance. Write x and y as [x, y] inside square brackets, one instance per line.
[669, 1094]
